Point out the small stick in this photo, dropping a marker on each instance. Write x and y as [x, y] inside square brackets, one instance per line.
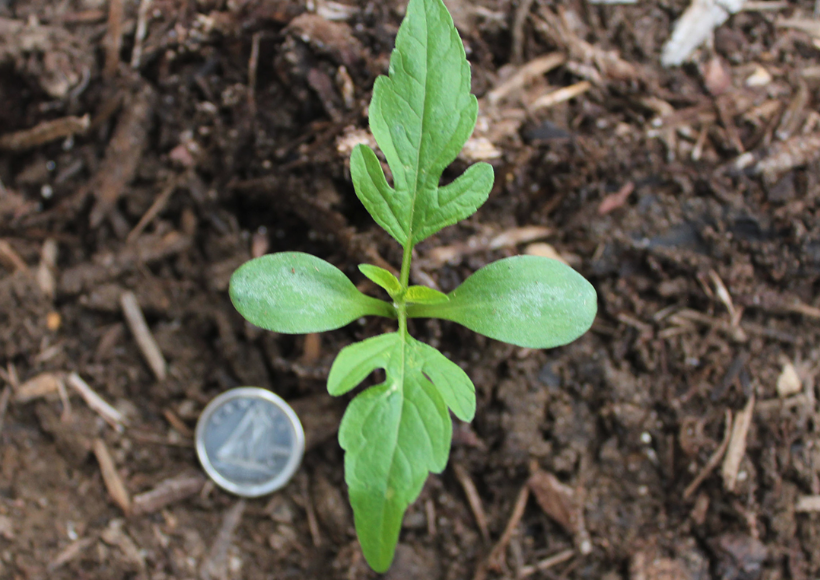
[111, 478]
[4, 403]
[737, 445]
[521, 14]
[528, 72]
[93, 400]
[44, 132]
[139, 35]
[253, 65]
[215, 566]
[153, 438]
[156, 207]
[473, 499]
[713, 460]
[313, 524]
[113, 39]
[11, 258]
[497, 555]
[546, 563]
[142, 334]
[167, 492]
[561, 95]
[65, 400]
[430, 512]
[177, 423]
[70, 552]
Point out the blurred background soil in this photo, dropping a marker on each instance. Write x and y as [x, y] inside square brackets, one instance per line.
[151, 147]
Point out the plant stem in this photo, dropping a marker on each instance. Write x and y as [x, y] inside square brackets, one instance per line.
[404, 277]
[404, 280]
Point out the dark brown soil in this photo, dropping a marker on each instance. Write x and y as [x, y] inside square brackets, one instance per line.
[688, 196]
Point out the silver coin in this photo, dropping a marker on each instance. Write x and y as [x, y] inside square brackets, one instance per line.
[249, 441]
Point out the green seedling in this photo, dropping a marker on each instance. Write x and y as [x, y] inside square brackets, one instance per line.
[396, 432]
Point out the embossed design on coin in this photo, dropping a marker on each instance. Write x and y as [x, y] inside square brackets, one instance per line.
[249, 441]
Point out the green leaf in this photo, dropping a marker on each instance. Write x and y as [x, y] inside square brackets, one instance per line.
[525, 300]
[382, 277]
[421, 115]
[395, 433]
[424, 295]
[292, 292]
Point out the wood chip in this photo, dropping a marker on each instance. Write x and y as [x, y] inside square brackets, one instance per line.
[43, 385]
[473, 499]
[44, 132]
[93, 400]
[561, 504]
[167, 492]
[111, 478]
[142, 334]
[46, 279]
[808, 503]
[695, 26]
[545, 251]
[788, 383]
[615, 200]
[737, 446]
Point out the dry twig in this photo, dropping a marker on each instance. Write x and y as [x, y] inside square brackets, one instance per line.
[546, 563]
[167, 492]
[159, 204]
[561, 95]
[714, 460]
[532, 70]
[139, 35]
[496, 558]
[142, 334]
[4, 403]
[44, 132]
[473, 499]
[93, 400]
[69, 553]
[113, 39]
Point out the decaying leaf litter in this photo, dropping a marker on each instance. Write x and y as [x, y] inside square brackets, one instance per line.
[683, 425]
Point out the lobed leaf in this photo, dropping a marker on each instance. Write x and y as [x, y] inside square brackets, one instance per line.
[292, 292]
[528, 301]
[395, 433]
[421, 116]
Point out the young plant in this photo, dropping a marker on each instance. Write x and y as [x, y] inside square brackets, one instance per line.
[397, 432]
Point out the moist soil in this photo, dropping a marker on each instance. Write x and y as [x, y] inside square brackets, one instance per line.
[678, 439]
